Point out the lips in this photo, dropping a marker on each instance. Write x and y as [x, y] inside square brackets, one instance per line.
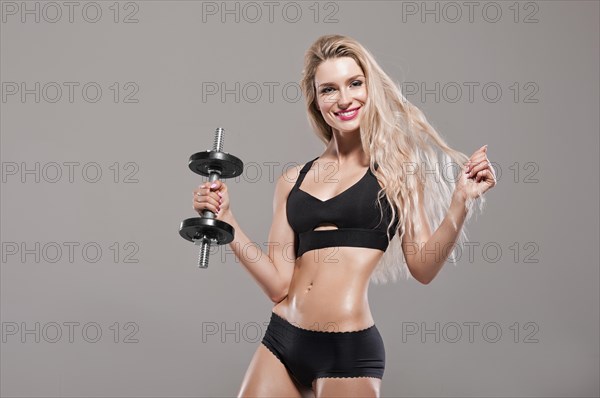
[347, 111]
[347, 114]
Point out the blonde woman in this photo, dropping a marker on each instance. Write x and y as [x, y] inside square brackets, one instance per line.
[343, 219]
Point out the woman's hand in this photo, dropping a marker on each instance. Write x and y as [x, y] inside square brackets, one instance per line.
[477, 176]
[212, 197]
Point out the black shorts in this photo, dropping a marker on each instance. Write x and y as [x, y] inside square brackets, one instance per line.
[310, 354]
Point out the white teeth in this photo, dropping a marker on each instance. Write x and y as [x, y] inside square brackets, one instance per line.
[347, 113]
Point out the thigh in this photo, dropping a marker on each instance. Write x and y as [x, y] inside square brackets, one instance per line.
[347, 387]
[267, 377]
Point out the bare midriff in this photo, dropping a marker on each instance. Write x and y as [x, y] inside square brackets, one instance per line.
[329, 289]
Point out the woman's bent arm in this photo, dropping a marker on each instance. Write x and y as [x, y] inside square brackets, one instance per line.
[272, 271]
[428, 252]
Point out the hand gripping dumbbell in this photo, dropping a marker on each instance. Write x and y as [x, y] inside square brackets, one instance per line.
[203, 231]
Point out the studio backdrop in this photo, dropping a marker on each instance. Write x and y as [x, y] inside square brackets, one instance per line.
[103, 102]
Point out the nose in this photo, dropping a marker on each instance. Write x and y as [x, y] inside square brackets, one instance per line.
[345, 99]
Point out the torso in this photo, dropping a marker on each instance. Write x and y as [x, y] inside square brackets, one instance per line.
[328, 291]
[329, 286]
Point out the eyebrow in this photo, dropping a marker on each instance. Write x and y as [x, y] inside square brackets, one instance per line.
[350, 78]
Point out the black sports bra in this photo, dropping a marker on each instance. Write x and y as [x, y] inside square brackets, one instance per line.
[355, 212]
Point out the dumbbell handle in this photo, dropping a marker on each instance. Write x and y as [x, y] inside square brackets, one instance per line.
[214, 175]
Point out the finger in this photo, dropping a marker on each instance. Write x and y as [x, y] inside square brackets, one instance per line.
[480, 175]
[206, 190]
[200, 207]
[201, 199]
[471, 165]
[483, 175]
[199, 191]
[214, 185]
[478, 167]
[478, 163]
[482, 149]
[478, 153]
[475, 158]
[209, 186]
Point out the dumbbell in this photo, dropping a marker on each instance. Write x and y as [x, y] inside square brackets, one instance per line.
[207, 230]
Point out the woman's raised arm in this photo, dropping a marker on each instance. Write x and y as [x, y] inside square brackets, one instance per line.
[272, 271]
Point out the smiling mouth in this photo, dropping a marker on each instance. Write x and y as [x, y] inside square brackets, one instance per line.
[348, 112]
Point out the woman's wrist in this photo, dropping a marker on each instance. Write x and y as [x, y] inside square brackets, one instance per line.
[226, 216]
[459, 196]
[460, 199]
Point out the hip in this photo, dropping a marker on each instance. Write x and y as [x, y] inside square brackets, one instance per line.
[322, 315]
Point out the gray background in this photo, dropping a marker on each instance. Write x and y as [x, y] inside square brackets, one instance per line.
[542, 215]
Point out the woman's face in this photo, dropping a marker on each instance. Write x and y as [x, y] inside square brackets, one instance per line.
[340, 87]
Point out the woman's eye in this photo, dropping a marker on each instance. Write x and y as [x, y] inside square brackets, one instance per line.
[356, 83]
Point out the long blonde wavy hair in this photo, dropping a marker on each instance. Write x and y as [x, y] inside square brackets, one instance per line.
[398, 138]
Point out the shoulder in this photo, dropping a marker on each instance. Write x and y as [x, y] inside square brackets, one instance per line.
[290, 174]
[287, 179]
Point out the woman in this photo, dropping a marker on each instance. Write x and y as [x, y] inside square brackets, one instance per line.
[365, 195]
